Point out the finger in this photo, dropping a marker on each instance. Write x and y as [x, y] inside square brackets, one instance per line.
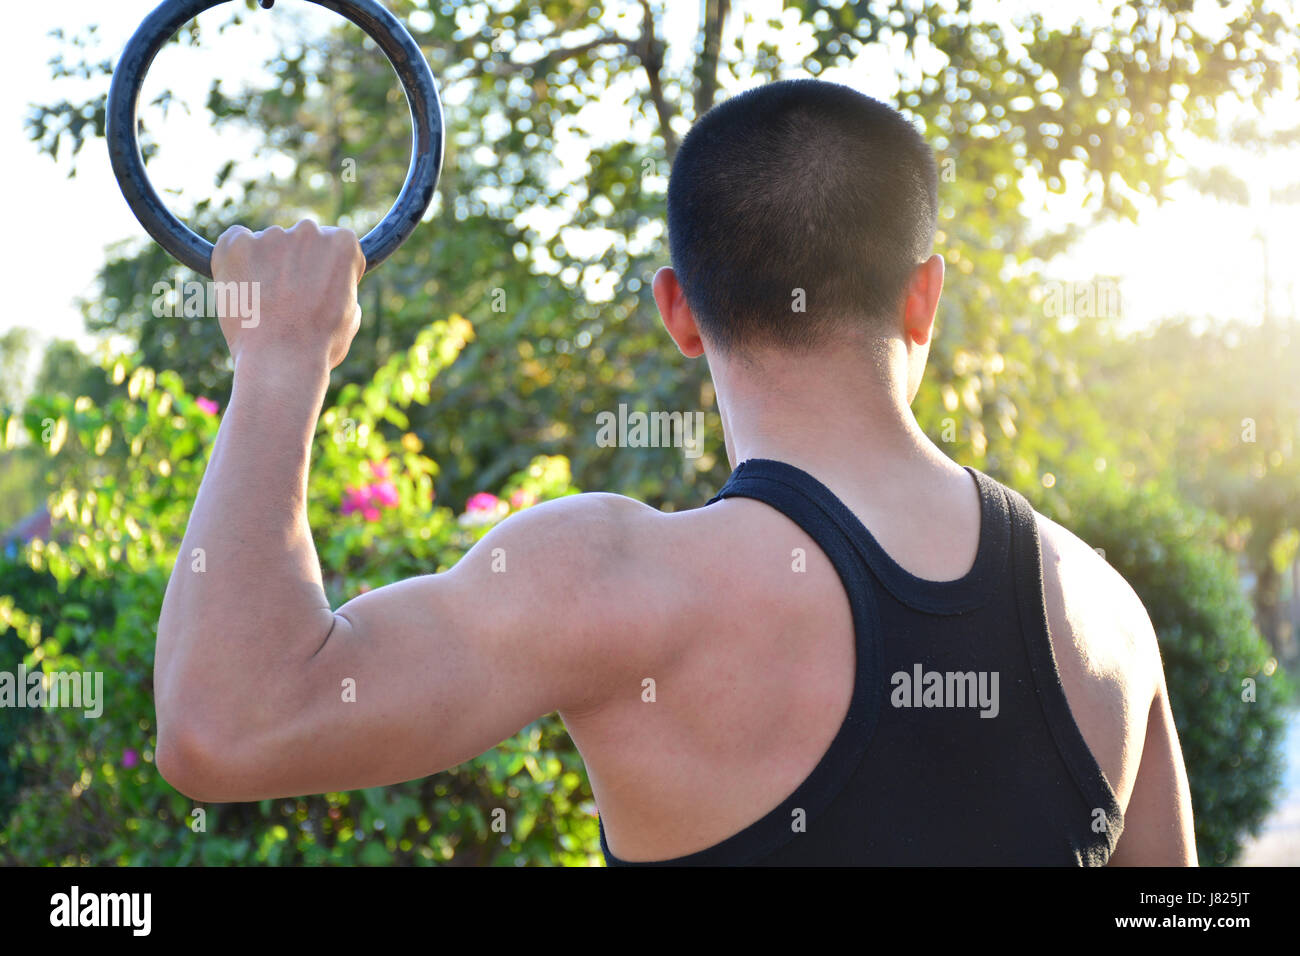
[225, 242]
[349, 238]
[231, 234]
[235, 230]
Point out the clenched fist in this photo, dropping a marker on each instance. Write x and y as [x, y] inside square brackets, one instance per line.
[296, 290]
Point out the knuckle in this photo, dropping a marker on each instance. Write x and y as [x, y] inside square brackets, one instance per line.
[235, 235]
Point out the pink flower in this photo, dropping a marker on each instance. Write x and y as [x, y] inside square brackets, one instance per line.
[354, 498]
[358, 499]
[130, 758]
[380, 469]
[523, 498]
[206, 405]
[482, 509]
[385, 493]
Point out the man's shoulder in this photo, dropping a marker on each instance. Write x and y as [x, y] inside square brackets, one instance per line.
[651, 579]
[617, 533]
[584, 542]
[1106, 651]
[1092, 591]
[589, 506]
[597, 518]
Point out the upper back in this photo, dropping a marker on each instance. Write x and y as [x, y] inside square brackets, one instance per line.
[776, 680]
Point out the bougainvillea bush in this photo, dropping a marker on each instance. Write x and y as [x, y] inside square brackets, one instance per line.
[76, 789]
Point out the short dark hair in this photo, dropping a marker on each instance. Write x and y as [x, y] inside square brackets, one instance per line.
[798, 185]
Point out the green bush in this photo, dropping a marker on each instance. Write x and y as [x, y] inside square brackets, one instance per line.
[123, 474]
[1214, 656]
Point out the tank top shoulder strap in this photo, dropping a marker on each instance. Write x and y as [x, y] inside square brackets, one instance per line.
[779, 483]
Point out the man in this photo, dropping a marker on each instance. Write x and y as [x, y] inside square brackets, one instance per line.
[759, 681]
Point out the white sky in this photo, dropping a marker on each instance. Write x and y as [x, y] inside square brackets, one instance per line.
[1193, 255]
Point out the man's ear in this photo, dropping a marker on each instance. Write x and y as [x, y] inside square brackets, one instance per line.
[678, 318]
[922, 301]
[919, 307]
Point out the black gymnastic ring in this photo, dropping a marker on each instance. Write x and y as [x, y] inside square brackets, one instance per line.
[192, 249]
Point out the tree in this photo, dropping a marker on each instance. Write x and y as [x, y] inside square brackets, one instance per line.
[1219, 410]
[66, 370]
[566, 327]
[19, 468]
[15, 351]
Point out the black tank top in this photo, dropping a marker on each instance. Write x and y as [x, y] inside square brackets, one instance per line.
[959, 747]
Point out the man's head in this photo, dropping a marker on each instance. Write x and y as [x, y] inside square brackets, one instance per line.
[799, 212]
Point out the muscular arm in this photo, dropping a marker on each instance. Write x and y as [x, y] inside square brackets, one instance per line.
[1158, 828]
[1158, 820]
[245, 607]
[1109, 661]
[263, 691]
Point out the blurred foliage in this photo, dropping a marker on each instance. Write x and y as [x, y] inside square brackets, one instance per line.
[15, 350]
[20, 486]
[1227, 692]
[566, 324]
[66, 370]
[75, 790]
[1233, 448]
[20, 469]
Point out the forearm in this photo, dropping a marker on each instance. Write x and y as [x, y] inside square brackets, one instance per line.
[245, 604]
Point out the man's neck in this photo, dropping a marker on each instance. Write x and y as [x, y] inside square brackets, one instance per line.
[829, 414]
